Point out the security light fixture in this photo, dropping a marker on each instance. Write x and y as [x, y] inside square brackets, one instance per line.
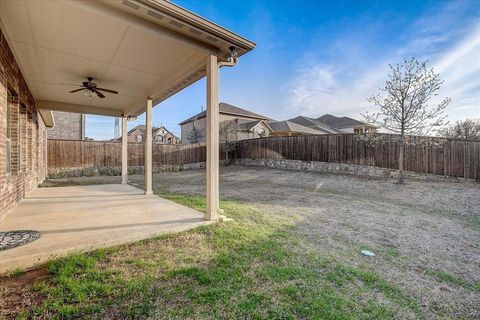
[233, 53]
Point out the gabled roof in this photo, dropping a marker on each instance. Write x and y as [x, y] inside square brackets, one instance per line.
[313, 123]
[142, 128]
[164, 128]
[339, 122]
[226, 108]
[249, 125]
[288, 126]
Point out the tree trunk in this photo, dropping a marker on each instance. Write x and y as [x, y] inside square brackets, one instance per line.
[400, 160]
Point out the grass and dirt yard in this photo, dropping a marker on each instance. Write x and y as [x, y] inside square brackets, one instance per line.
[292, 251]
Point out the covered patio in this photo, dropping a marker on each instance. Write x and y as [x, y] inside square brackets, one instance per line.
[140, 52]
[80, 218]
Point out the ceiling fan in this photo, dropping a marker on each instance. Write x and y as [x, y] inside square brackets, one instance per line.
[90, 88]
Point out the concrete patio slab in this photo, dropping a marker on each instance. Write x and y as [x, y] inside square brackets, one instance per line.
[82, 218]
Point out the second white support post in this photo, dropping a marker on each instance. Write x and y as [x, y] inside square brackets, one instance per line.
[124, 150]
[148, 148]
[213, 117]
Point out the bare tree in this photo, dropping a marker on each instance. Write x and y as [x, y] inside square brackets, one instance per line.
[463, 129]
[228, 137]
[196, 135]
[404, 103]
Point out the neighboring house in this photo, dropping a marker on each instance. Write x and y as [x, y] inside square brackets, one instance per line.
[68, 125]
[159, 135]
[346, 124]
[287, 128]
[238, 129]
[137, 134]
[312, 123]
[163, 136]
[193, 128]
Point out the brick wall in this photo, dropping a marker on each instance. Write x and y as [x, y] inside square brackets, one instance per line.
[22, 126]
[68, 125]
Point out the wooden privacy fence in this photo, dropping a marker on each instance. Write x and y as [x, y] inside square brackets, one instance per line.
[456, 158]
[95, 154]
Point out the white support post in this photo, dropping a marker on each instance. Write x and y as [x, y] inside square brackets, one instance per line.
[213, 196]
[124, 150]
[45, 155]
[148, 148]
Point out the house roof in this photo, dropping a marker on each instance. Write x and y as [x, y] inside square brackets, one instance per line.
[249, 125]
[288, 126]
[226, 108]
[139, 127]
[313, 123]
[142, 127]
[141, 48]
[339, 122]
[164, 128]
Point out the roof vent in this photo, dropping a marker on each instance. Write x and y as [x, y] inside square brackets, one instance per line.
[195, 31]
[155, 14]
[131, 4]
[212, 38]
[176, 24]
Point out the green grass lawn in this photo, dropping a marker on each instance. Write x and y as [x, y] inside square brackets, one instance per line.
[255, 267]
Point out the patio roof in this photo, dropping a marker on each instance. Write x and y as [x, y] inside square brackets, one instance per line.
[141, 48]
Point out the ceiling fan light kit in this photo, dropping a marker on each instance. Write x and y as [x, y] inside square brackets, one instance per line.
[90, 89]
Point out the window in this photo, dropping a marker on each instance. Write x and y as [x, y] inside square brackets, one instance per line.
[139, 138]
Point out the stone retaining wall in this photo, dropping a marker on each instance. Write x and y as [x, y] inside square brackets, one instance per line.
[340, 168]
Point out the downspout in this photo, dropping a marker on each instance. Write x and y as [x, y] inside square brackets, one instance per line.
[82, 124]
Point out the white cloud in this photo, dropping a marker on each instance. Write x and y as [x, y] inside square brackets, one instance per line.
[319, 88]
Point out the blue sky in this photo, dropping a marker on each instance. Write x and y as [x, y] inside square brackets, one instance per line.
[317, 57]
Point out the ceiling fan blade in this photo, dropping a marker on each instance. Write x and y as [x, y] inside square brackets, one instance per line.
[99, 94]
[107, 90]
[70, 84]
[76, 90]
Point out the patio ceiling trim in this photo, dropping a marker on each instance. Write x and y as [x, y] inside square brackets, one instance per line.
[47, 118]
[71, 107]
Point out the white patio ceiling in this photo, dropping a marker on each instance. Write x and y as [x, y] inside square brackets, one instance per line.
[141, 48]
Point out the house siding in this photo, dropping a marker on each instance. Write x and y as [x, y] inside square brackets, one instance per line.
[27, 134]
